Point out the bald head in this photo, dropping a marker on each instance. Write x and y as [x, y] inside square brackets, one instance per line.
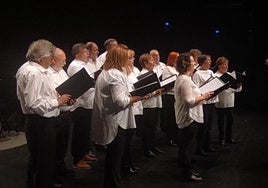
[59, 60]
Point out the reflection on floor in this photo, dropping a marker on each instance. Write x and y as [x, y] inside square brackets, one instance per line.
[12, 139]
[241, 165]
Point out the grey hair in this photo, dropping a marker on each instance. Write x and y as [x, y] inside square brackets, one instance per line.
[39, 49]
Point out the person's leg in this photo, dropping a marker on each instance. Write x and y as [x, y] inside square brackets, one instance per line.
[113, 160]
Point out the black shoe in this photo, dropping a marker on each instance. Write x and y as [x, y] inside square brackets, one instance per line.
[127, 170]
[231, 141]
[156, 150]
[202, 152]
[196, 174]
[194, 178]
[57, 185]
[57, 182]
[222, 142]
[172, 143]
[135, 167]
[210, 149]
[150, 154]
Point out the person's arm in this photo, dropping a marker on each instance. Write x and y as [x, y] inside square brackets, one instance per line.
[187, 94]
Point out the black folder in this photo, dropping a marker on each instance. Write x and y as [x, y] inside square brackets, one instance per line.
[145, 79]
[233, 82]
[144, 90]
[97, 73]
[147, 83]
[77, 84]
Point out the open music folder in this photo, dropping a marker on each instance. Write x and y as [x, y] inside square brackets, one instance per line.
[149, 82]
[168, 83]
[77, 84]
[234, 78]
[214, 84]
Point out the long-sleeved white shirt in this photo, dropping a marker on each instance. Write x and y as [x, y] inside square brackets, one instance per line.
[227, 96]
[186, 111]
[132, 78]
[153, 102]
[167, 72]
[200, 77]
[85, 100]
[57, 78]
[36, 93]
[112, 107]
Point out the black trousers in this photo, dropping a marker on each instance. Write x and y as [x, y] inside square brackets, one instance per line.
[41, 140]
[185, 145]
[113, 160]
[81, 133]
[150, 122]
[225, 122]
[203, 133]
[64, 123]
[168, 115]
[127, 157]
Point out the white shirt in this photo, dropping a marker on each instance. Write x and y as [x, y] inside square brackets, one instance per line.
[85, 100]
[35, 91]
[93, 66]
[159, 68]
[227, 96]
[57, 78]
[132, 77]
[200, 77]
[112, 107]
[167, 72]
[102, 58]
[153, 102]
[186, 111]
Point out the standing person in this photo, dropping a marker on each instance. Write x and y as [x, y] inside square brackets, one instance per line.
[195, 53]
[40, 104]
[127, 162]
[151, 108]
[109, 44]
[64, 120]
[158, 69]
[113, 113]
[189, 113]
[225, 105]
[93, 50]
[81, 111]
[170, 126]
[93, 65]
[203, 134]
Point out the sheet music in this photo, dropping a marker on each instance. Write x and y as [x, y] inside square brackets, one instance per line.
[168, 80]
[212, 85]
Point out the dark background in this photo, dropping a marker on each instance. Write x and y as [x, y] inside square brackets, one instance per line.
[140, 25]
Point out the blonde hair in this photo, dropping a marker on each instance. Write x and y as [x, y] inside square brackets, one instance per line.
[117, 58]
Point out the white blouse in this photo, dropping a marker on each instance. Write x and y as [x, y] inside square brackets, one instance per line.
[111, 107]
[200, 77]
[227, 96]
[186, 111]
[132, 77]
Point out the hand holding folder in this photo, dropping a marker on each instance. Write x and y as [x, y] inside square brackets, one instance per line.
[77, 84]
